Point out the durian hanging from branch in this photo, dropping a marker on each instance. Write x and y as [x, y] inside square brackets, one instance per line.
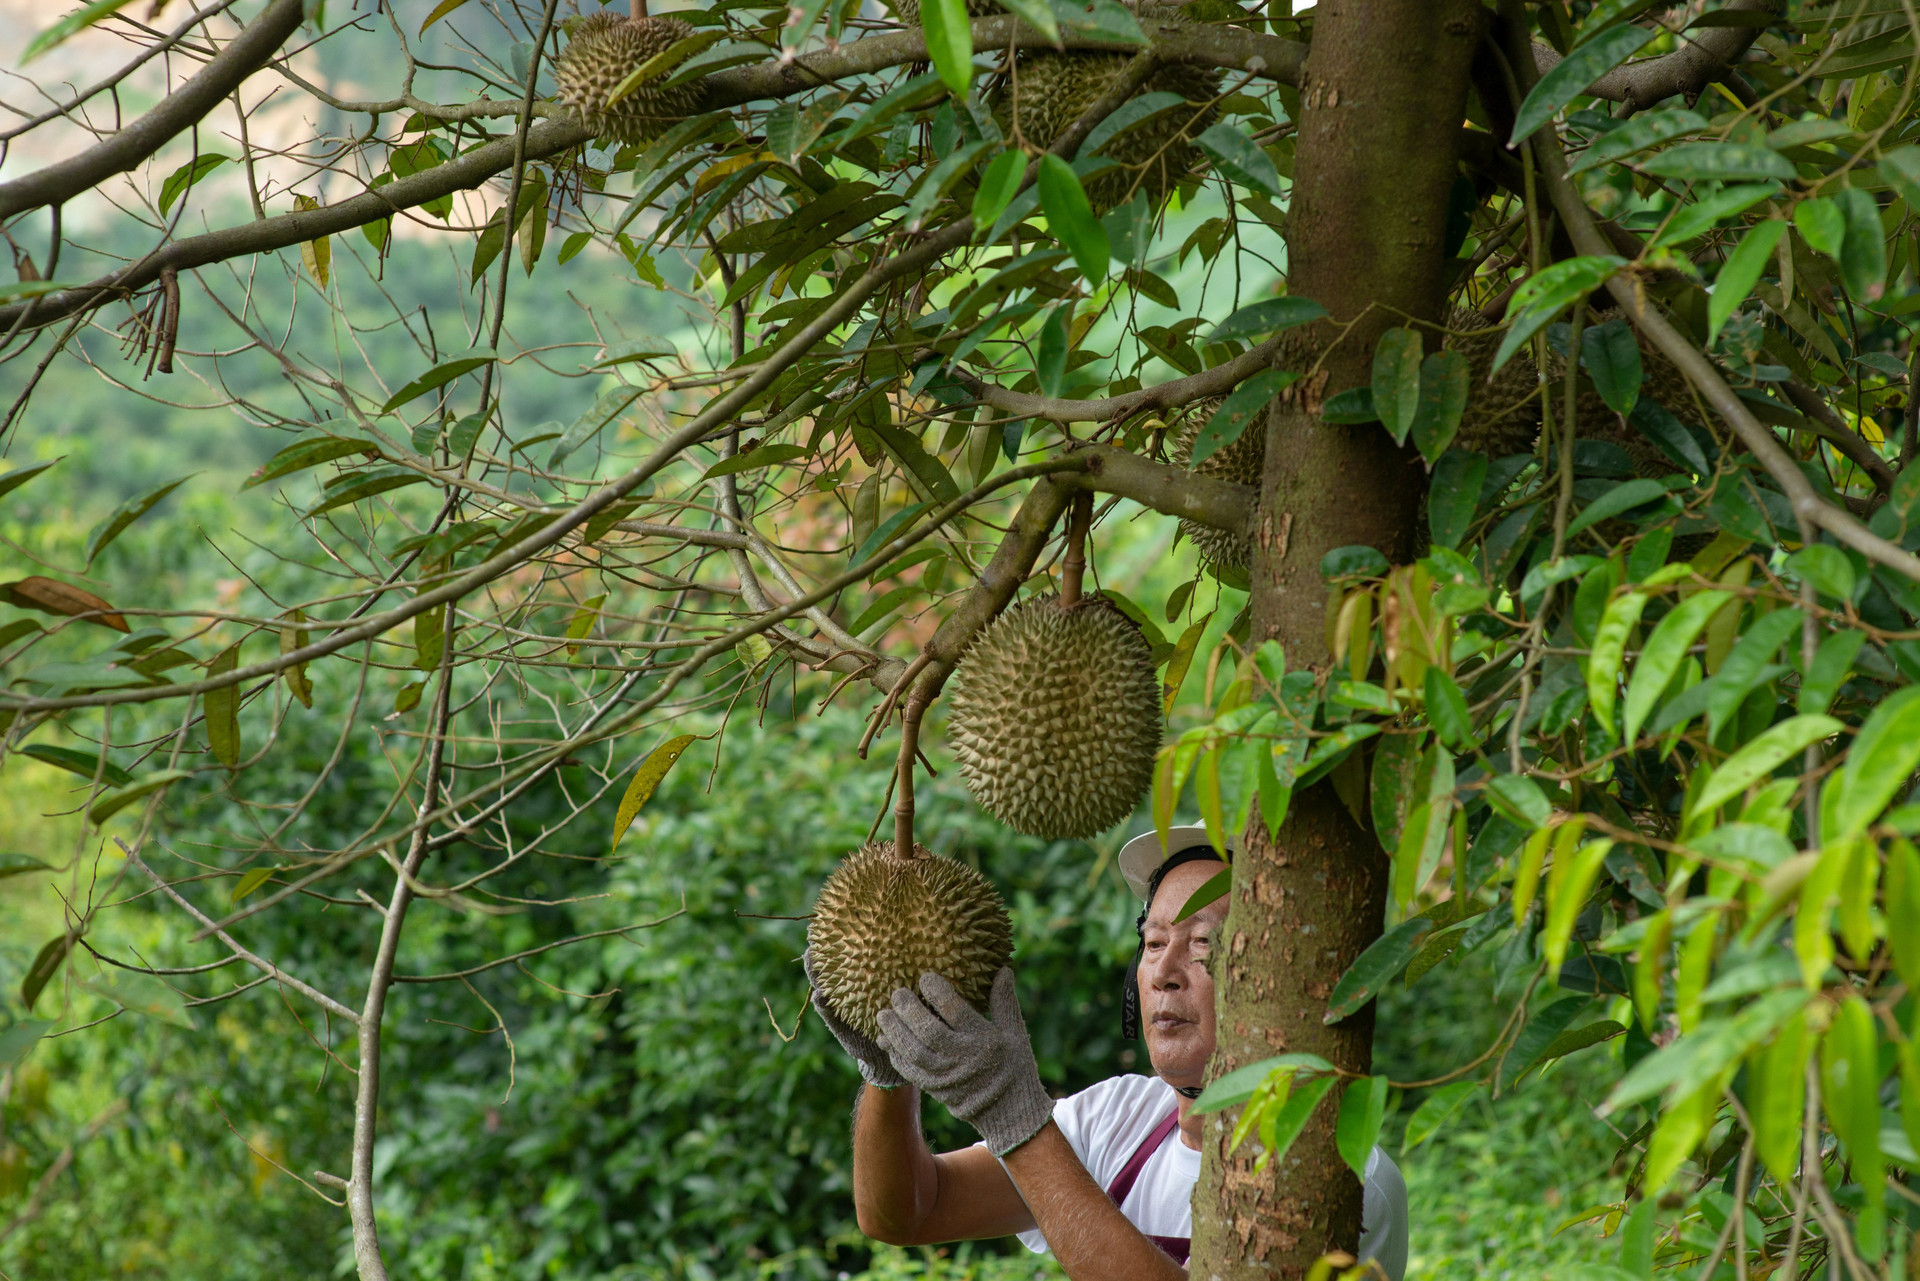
[614, 74]
[1056, 709]
[883, 918]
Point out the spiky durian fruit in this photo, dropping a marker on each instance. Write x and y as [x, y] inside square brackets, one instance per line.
[1221, 554]
[909, 10]
[1502, 417]
[881, 922]
[1056, 717]
[605, 47]
[1047, 91]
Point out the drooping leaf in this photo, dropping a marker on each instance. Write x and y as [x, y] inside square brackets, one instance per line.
[949, 42]
[645, 779]
[439, 376]
[181, 180]
[1069, 215]
[1436, 1110]
[999, 183]
[1396, 381]
[1611, 355]
[1363, 1109]
[1266, 317]
[51, 596]
[1217, 887]
[46, 963]
[1542, 297]
[75, 761]
[222, 709]
[1234, 154]
[1242, 407]
[1444, 391]
[1881, 759]
[1741, 272]
[124, 515]
[1374, 968]
[66, 28]
[1568, 79]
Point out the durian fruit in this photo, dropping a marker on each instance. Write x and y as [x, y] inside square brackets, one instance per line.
[604, 48]
[1502, 418]
[1056, 716]
[909, 10]
[881, 922]
[1047, 91]
[1224, 555]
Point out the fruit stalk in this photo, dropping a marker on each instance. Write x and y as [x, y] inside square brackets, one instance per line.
[1074, 568]
[903, 846]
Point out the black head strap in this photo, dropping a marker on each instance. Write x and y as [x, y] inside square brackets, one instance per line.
[1130, 990]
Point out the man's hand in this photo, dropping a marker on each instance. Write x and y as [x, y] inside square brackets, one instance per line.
[875, 1067]
[982, 1070]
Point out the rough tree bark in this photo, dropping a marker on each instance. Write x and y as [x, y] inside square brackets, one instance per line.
[1382, 98]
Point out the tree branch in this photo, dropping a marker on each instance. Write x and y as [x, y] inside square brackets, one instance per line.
[179, 111]
[1228, 47]
[1701, 59]
[1217, 381]
[1171, 491]
[1705, 376]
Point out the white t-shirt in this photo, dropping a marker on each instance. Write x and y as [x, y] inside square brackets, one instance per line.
[1107, 1122]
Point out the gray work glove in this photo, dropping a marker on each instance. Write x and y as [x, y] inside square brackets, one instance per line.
[875, 1067]
[982, 1070]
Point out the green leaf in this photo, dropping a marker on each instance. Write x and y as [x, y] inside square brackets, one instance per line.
[1444, 390]
[1569, 79]
[1612, 356]
[1697, 218]
[439, 376]
[1069, 215]
[18, 1041]
[1543, 1028]
[1901, 168]
[999, 184]
[74, 761]
[141, 994]
[1660, 657]
[21, 865]
[1741, 272]
[1831, 663]
[1217, 887]
[1436, 1110]
[1721, 161]
[1545, 295]
[1270, 316]
[46, 963]
[1776, 1099]
[1643, 131]
[1374, 968]
[354, 486]
[1757, 760]
[71, 25]
[181, 180]
[21, 475]
[1363, 1109]
[1235, 155]
[1519, 798]
[1863, 258]
[757, 458]
[222, 709]
[941, 179]
[1454, 495]
[1242, 406]
[1354, 405]
[1882, 758]
[303, 454]
[1421, 844]
[1050, 362]
[949, 42]
[250, 881]
[1396, 381]
[1624, 497]
[124, 515]
[1822, 225]
[1850, 1086]
[1036, 14]
[1283, 1128]
[1609, 651]
[1447, 711]
[1237, 1086]
[1569, 881]
[653, 769]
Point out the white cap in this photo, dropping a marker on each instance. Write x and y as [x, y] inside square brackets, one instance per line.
[1143, 854]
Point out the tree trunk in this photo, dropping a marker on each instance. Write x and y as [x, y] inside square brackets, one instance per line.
[1382, 101]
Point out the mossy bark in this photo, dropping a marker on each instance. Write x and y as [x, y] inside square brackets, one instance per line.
[1382, 100]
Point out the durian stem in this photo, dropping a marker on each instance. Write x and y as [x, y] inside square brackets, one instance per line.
[639, 8]
[1074, 568]
[903, 846]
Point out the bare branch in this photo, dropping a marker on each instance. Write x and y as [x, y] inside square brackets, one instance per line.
[1703, 57]
[179, 111]
[1161, 396]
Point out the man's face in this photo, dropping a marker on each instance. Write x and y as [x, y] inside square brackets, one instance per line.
[1176, 991]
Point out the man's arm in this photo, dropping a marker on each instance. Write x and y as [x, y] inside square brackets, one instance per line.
[1088, 1234]
[905, 1195]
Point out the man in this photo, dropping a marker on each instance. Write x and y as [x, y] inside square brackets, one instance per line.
[1093, 1177]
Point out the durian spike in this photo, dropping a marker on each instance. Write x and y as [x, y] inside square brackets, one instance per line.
[1074, 567]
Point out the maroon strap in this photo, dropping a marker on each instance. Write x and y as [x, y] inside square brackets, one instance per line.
[1130, 1173]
